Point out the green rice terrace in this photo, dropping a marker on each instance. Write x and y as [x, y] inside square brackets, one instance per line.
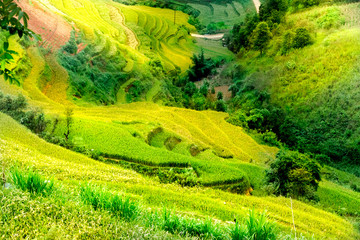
[124, 119]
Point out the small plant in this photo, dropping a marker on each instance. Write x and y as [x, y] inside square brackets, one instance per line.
[31, 181]
[238, 232]
[102, 199]
[255, 227]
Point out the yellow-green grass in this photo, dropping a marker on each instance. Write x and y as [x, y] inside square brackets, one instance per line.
[20, 146]
[115, 141]
[316, 67]
[339, 199]
[159, 35]
[57, 88]
[153, 91]
[96, 19]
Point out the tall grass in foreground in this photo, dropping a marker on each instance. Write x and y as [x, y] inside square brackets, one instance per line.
[99, 198]
[255, 227]
[31, 181]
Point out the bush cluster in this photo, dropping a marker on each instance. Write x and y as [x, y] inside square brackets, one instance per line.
[17, 108]
[294, 174]
[93, 76]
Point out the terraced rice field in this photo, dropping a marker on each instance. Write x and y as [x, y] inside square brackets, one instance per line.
[230, 13]
[69, 167]
[137, 32]
[123, 131]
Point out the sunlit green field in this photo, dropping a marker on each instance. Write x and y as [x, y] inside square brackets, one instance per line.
[72, 168]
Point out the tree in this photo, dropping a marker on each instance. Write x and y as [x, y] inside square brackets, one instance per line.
[220, 96]
[190, 89]
[294, 174]
[69, 121]
[287, 42]
[202, 67]
[10, 20]
[302, 38]
[220, 106]
[272, 11]
[204, 89]
[262, 37]
[240, 34]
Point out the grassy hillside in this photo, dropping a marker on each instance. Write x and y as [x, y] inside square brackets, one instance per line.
[315, 85]
[70, 169]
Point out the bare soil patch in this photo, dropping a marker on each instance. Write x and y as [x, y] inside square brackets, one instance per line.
[53, 29]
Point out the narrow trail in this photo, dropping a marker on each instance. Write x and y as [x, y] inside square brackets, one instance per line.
[257, 4]
[210, 36]
[118, 17]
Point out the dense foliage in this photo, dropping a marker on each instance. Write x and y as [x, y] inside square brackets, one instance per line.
[14, 21]
[93, 76]
[294, 174]
[17, 108]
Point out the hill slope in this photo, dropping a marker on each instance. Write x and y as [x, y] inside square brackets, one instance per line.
[72, 168]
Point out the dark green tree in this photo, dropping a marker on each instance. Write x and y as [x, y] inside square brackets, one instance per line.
[262, 37]
[220, 96]
[220, 106]
[272, 11]
[239, 36]
[302, 38]
[202, 67]
[190, 89]
[294, 174]
[287, 42]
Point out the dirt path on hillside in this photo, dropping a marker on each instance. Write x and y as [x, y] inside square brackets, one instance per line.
[117, 16]
[257, 4]
[210, 36]
[52, 28]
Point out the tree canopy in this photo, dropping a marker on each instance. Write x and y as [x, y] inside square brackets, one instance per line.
[14, 21]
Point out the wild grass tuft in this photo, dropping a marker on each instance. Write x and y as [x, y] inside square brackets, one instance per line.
[31, 181]
[255, 227]
[190, 227]
[100, 198]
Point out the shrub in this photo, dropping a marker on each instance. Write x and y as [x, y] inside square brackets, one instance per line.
[16, 108]
[184, 177]
[332, 19]
[354, 187]
[287, 42]
[31, 181]
[295, 174]
[302, 38]
[220, 106]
